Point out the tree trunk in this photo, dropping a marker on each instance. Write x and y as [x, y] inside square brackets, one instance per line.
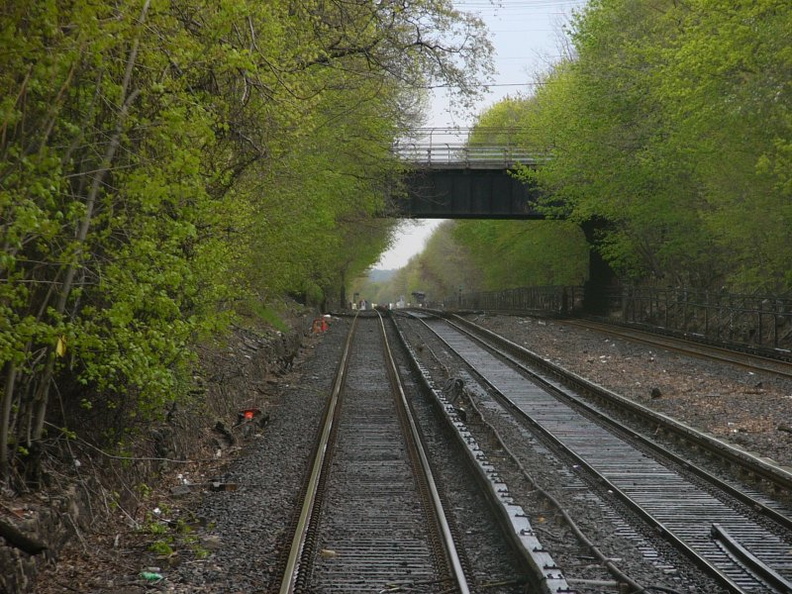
[5, 416]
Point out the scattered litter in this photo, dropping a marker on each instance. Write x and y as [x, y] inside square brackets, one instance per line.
[218, 486]
[320, 325]
[151, 576]
[247, 414]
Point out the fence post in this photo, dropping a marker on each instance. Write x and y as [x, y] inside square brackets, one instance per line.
[776, 305]
[760, 331]
[706, 313]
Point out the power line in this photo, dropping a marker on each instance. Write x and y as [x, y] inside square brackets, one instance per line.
[522, 7]
[494, 85]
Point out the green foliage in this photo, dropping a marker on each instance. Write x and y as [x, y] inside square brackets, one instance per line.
[68, 433]
[161, 548]
[514, 254]
[438, 271]
[472, 256]
[161, 162]
[673, 125]
[268, 315]
[155, 527]
[174, 533]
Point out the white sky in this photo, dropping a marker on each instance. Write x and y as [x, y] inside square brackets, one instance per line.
[409, 242]
[527, 38]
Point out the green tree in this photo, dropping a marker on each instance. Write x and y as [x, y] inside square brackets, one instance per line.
[672, 126]
[513, 254]
[160, 162]
[726, 89]
[439, 271]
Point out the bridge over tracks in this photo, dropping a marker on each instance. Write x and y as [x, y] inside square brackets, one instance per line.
[454, 175]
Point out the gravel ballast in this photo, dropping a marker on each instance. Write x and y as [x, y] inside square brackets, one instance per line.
[748, 409]
[237, 536]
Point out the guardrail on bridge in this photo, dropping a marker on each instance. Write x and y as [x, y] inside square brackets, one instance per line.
[465, 147]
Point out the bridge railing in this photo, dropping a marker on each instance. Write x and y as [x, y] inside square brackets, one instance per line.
[465, 155]
[452, 147]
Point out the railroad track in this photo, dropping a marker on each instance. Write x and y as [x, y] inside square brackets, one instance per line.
[371, 519]
[766, 474]
[740, 539]
[780, 364]
[375, 517]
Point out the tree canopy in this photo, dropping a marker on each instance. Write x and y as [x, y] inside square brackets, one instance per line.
[672, 125]
[473, 256]
[163, 161]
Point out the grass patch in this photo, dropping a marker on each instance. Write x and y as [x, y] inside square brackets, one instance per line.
[270, 316]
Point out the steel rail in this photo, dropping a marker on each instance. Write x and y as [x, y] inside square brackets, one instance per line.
[761, 467]
[559, 445]
[657, 449]
[607, 562]
[548, 577]
[296, 564]
[772, 514]
[449, 545]
[699, 560]
[694, 348]
[769, 575]
[309, 510]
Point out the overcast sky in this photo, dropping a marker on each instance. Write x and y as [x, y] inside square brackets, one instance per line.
[527, 37]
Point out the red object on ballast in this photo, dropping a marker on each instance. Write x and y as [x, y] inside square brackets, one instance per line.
[248, 413]
[320, 325]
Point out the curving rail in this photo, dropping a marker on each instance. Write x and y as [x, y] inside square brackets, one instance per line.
[681, 510]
